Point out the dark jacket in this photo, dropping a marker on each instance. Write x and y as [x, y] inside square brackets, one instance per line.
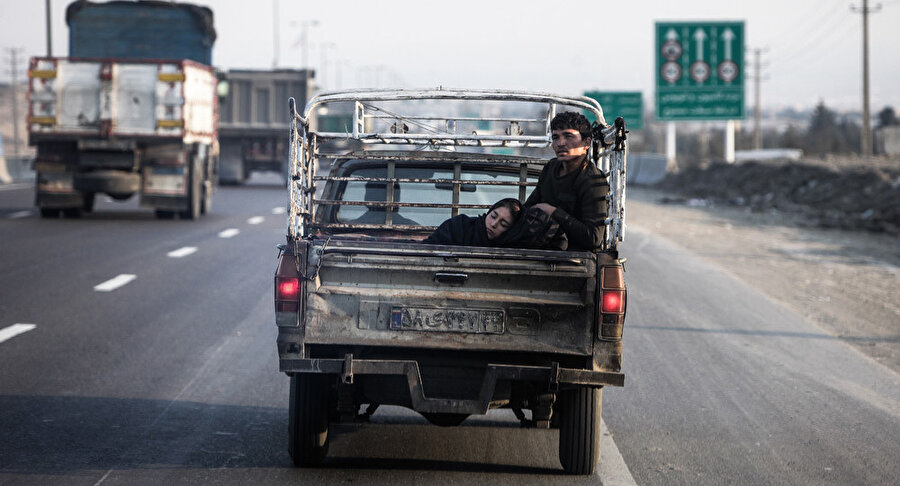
[580, 201]
[461, 230]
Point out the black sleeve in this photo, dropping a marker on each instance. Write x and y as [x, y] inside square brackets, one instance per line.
[587, 233]
[443, 235]
[536, 196]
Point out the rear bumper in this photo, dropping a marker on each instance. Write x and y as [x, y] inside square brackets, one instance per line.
[348, 368]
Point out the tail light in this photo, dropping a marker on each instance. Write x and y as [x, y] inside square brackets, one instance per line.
[42, 93]
[612, 302]
[170, 98]
[287, 294]
[289, 287]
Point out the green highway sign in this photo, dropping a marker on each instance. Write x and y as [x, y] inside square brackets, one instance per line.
[627, 104]
[699, 70]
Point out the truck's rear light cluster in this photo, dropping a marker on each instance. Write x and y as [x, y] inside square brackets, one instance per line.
[612, 302]
[170, 97]
[287, 294]
[42, 75]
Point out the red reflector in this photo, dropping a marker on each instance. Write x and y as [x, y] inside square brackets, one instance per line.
[613, 301]
[288, 288]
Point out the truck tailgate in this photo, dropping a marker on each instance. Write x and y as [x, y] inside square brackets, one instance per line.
[428, 296]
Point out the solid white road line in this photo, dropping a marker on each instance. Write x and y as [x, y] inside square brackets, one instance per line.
[12, 331]
[20, 214]
[182, 252]
[114, 283]
[256, 220]
[613, 471]
[229, 233]
[278, 210]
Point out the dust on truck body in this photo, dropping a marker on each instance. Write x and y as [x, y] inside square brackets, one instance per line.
[368, 315]
[132, 110]
[253, 120]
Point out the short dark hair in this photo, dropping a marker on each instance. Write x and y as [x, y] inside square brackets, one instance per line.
[572, 120]
[512, 204]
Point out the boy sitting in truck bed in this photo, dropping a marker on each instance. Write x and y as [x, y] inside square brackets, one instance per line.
[572, 190]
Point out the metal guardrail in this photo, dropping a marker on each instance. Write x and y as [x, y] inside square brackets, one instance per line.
[16, 169]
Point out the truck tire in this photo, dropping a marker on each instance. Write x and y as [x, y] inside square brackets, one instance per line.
[195, 193]
[164, 214]
[72, 213]
[579, 429]
[308, 419]
[88, 205]
[50, 212]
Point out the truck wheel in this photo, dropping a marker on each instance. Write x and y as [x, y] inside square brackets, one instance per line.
[164, 214]
[308, 419]
[88, 204]
[579, 429]
[50, 212]
[195, 192]
[72, 213]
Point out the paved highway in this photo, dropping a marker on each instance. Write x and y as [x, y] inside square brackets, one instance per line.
[135, 350]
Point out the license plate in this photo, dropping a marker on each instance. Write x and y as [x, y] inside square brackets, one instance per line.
[474, 321]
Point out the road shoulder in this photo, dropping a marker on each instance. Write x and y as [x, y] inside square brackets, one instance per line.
[844, 282]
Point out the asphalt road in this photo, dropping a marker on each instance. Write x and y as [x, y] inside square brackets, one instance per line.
[170, 376]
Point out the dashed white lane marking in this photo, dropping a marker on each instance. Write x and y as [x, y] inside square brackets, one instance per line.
[114, 283]
[278, 210]
[182, 252]
[256, 220]
[20, 214]
[229, 233]
[12, 331]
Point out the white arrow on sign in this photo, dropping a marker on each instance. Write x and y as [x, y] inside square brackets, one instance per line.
[728, 36]
[699, 36]
[671, 35]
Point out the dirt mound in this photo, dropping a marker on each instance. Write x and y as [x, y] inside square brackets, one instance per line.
[831, 194]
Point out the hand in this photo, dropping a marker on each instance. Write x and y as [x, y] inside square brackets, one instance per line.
[546, 208]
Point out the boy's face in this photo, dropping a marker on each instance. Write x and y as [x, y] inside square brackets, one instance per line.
[568, 144]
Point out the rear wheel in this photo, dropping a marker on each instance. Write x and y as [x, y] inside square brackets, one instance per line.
[579, 429]
[72, 212]
[308, 419]
[50, 212]
[195, 192]
[88, 204]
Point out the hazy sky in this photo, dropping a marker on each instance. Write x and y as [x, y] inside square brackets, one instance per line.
[814, 47]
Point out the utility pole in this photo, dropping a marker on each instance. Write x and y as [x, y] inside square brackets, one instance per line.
[866, 142]
[49, 37]
[274, 34]
[14, 64]
[757, 108]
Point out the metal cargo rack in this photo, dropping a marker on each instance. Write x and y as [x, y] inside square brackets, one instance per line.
[393, 124]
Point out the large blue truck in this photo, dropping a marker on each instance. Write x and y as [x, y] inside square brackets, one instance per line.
[131, 110]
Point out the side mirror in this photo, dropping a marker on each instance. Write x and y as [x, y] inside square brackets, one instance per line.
[223, 89]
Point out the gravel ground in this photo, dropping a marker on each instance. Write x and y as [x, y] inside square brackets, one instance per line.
[845, 281]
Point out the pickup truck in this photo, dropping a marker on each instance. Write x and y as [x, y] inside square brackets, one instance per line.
[368, 315]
